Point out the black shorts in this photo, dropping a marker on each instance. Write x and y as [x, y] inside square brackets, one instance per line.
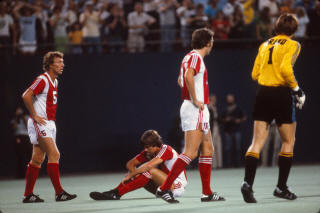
[274, 103]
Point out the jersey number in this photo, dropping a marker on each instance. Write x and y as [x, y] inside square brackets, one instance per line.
[55, 99]
[270, 55]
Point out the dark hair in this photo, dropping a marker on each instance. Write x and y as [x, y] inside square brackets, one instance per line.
[151, 138]
[286, 24]
[201, 37]
[48, 59]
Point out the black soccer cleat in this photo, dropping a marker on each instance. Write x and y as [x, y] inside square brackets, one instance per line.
[213, 197]
[108, 195]
[286, 194]
[32, 199]
[247, 193]
[65, 196]
[166, 196]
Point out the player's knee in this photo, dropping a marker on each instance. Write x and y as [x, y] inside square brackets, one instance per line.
[37, 160]
[54, 156]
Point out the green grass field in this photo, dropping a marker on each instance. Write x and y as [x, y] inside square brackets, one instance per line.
[303, 180]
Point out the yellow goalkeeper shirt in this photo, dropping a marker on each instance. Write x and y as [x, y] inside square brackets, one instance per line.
[274, 63]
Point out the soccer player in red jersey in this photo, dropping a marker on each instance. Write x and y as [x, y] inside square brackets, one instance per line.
[41, 101]
[156, 161]
[193, 80]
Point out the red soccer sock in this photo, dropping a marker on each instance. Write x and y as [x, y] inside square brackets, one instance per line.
[204, 166]
[53, 172]
[175, 171]
[31, 178]
[134, 184]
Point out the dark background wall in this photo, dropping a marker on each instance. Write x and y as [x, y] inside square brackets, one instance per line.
[105, 103]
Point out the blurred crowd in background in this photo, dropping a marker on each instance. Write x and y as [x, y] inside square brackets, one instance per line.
[107, 26]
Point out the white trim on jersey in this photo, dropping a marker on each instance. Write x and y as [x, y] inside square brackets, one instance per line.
[162, 151]
[53, 83]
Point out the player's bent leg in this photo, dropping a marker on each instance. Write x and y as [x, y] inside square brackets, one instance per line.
[205, 167]
[287, 134]
[50, 148]
[116, 193]
[32, 175]
[260, 133]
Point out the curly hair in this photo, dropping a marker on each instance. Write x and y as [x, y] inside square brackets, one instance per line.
[201, 37]
[286, 24]
[48, 59]
[151, 138]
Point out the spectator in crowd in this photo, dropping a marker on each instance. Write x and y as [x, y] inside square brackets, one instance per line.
[167, 11]
[221, 26]
[22, 145]
[232, 117]
[273, 8]
[306, 4]
[303, 21]
[212, 8]
[59, 22]
[249, 16]
[215, 131]
[287, 7]
[151, 8]
[6, 25]
[228, 8]
[199, 20]
[203, 2]
[138, 23]
[90, 20]
[72, 15]
[185, 12]
[26, 15]
[43, 18]
[264, 24]
[237, 26]
[75, 39]
[314, 17]
[273, 142]
[116, 24]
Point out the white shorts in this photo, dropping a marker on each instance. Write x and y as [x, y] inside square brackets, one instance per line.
[179, 186]
[44, 131]
[192, 118]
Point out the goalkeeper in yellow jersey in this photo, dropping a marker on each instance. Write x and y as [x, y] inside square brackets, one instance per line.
[277, 96]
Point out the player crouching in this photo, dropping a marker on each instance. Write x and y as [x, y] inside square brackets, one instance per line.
[157, 160]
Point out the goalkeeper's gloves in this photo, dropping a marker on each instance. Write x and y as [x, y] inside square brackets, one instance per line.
[299, 96]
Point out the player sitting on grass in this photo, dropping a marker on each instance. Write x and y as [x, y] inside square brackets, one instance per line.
[157, 160]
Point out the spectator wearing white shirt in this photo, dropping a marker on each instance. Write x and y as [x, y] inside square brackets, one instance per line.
[90, 21]
[6, 24]
[228, 8]
[138, 22]
[167, 11]
[59, 22]
[303, 21]
[273, 7]
[185, 12]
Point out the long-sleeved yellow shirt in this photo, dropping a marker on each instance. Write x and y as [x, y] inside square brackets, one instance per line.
[274, 63]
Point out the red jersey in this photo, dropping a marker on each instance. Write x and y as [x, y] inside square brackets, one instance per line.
[194, 60]
[169, 157]
[45, 96]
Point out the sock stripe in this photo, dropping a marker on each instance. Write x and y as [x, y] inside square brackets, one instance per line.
[185, 158]
[286, 154]
[252, 154]
[205, 159]
[147, 174]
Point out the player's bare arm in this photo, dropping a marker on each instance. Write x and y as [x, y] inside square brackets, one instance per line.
[132, 164]
[27, 99]
[190, 85]
[144, 168]
[179, 82]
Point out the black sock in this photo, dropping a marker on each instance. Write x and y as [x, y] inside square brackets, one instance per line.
[251, 164]
[284, 163]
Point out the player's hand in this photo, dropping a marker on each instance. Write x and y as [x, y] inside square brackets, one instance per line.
[300, 98]
[39, 120]
[198, 104]
[126, 178]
